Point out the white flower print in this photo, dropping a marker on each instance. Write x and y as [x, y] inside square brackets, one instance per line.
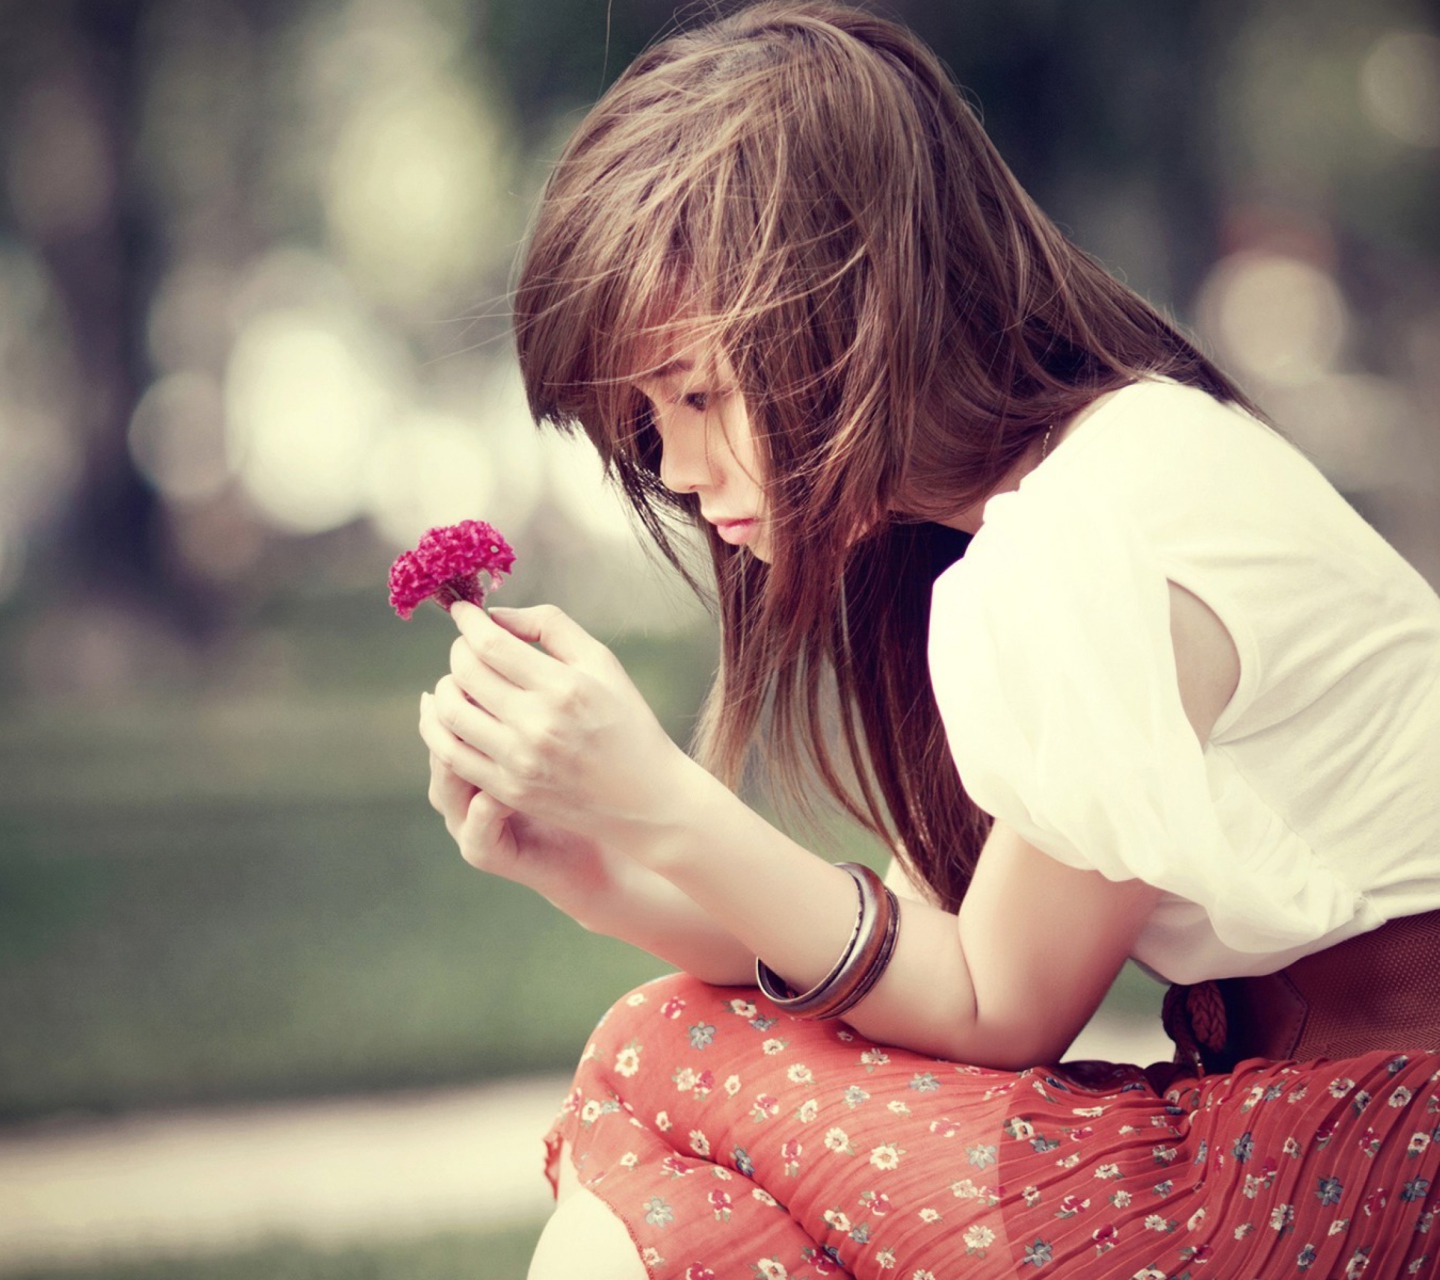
[1339, 1225]
[929, 1215]
[650, 1256]
[1418, 1143]
[799, 1073]
[872, 1058]
[662, 1120]
[732, 1085]
[1339, 1088]
[809, 1110]
[1108, 1171]
[699, 1143]
[743, 1008]
[629, 1160]
[773, 1046]
[1032, 1196]
[922, 1275]
[1400, 1097]
[763, 1196]
[886, 1156]
[966, 1189]
[836, 1219]
[885, 1259]
[1291, 1147]
[836, 1139]
[1195, 1219]
[1243, 1230]
[771, 1269]
[1090, 1112]
[635, 999]
[1121, 1199]
[898, 1106]
[627, 1061]
[1070, 1161]
[686, 1078]
[590, 1112]
[1154, 1222]
[979, 1237]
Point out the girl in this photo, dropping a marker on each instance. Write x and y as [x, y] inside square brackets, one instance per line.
[1175, 701]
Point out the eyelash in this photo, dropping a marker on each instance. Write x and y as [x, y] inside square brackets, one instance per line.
[698, 401]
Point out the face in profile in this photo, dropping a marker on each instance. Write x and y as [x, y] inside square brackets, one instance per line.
[707, 444]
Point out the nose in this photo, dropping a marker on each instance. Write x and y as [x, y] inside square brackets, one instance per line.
[684, 461]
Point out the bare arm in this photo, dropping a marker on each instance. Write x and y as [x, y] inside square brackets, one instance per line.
[1006, 983]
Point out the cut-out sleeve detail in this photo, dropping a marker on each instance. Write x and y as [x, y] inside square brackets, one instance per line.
[1054, 670]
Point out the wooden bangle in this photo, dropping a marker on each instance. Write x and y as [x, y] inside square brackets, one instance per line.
[871, 945]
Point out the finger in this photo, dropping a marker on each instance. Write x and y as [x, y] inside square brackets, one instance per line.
[472, 724]
[562, 638]
[482, 833]
[495, 647]
[463, 760]
[482, 684]
[449, 794]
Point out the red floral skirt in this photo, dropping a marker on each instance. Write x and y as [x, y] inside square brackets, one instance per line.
[735, 1141]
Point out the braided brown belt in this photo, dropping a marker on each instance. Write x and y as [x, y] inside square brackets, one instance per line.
[1378, 991]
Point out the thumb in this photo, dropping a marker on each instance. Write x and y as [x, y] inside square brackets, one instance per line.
[552, 629]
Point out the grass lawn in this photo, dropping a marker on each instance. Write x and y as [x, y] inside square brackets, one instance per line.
[493, 1255]
[234, 896]
[245, 895]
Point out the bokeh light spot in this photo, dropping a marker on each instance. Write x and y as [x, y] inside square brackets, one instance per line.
[430, 469]
[1400, 87]
[413, 194]
[177, 437]
[305, 397]
[1273, 317]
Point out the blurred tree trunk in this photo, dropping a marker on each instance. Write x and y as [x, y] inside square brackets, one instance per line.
[74, 120]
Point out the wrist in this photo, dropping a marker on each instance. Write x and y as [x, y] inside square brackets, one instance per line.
[690, 801]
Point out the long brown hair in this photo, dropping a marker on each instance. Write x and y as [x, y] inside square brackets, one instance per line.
[801, 185]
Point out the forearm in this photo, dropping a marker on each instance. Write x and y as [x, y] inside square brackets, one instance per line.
[643, 908]
[794, 909]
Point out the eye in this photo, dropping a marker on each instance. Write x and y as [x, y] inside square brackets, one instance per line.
[698, 401]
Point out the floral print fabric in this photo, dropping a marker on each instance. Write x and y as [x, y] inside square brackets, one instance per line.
[735, 1141]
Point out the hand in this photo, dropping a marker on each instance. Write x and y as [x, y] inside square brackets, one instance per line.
[572, 871]
[600, 888]
[557, 733]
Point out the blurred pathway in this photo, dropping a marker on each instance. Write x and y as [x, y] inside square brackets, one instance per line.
[330, 1171]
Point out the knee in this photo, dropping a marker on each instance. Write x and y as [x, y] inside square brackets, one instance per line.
[585, 1238]
[667, 997]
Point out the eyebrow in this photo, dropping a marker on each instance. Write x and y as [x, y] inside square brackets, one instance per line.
[679, 365]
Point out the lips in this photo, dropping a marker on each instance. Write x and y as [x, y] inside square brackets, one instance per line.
[734, 532]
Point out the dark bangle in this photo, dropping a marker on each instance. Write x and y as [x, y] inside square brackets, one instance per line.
[872, 943]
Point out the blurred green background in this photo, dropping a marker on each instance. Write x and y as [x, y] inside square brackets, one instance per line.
[253, 340]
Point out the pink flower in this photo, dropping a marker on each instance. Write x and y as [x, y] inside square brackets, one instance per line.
[446, 565]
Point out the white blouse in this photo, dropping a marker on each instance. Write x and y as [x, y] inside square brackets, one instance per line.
[1313, 813]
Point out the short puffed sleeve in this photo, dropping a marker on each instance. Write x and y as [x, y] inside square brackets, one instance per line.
[1054, 671]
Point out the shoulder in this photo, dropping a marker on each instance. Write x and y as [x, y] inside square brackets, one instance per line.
[1157, 428]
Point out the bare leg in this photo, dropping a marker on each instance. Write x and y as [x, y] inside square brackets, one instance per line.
[583, 1237]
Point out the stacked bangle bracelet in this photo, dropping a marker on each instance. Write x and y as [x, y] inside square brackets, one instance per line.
[872, 942]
